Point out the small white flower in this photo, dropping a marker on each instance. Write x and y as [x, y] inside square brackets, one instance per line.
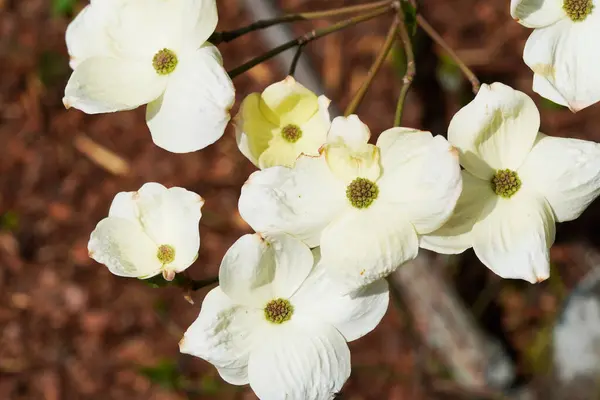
[274, 322]
[365, 205]
[126, 53]
[516, 184]
[148, 232]
[276, 126]
[563, 51]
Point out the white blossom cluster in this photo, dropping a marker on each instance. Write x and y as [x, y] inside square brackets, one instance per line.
[333, 213]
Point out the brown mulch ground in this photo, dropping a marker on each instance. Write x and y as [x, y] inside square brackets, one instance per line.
[71, 330]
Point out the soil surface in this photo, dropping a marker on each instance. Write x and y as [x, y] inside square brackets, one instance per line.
[71, 330]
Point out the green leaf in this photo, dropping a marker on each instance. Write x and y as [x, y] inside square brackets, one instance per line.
[9, 221]
[550, 105]
[52, 68]
[63, 7]
[164, 374]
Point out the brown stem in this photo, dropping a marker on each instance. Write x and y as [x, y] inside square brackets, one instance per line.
[308, 37]
[296, 59]
[227, 36]
[377, 64]
[442, 43]
[408, 75]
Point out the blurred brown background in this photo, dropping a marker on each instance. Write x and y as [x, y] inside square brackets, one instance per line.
[71, 330]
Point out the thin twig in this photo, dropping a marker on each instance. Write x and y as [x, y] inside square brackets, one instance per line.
[377, 64]
[296, 59]
[408, 75]
[442, 43]
[185, 282]
[227, 36]
[308, 37]
[197, 285]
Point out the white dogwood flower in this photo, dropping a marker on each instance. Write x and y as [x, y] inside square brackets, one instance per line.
[285, 120]
[148, 232]
[274, 322]
[126, 53]
[563, 49]
[365, 205]
[517, 183]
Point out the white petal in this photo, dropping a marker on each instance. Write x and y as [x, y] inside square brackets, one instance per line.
[365, 245]
[299, 360]
[288, 102]
[256, 270]
[348, 164]
[566, 55]
[201, 20]
[124, 248]
[537, 13]
[102, 84]
[124, 206]
[543, 86]
[171, 217]
[293, 263]
[144, 27]
[86, 36]
[494, 131]
[315, 129]
[194, 110]
[454, 236]
[349, 130]
[253, 129]
[421, 175]
[354, 315]
[234, 376]
[247, 271]
[513, 236]
[314, 135]
[299, 201]
[566, 172]
[224, 334]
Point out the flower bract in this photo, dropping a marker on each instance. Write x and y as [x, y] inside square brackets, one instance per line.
[365, 205]
[563, 50]
[285, 120]
[274, 323]
[517, 183]
[127, 53]
[149, 232]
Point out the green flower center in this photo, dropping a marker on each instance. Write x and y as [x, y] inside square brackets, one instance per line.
[164, 62]
[278, 311]
[291, 133]
[506, 183]
[362, 192]
[165, 254]
[578, 10]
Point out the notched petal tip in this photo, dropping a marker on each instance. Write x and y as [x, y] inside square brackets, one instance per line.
[261, 238]
[289, 80]
[454, 151]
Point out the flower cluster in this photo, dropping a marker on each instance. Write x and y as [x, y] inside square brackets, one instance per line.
[334, 214]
